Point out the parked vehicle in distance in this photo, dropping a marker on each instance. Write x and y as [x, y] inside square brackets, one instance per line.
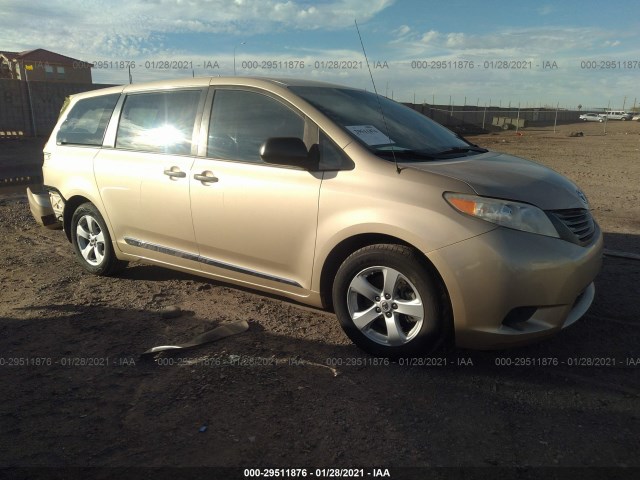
[636, 117]
[591, 117]
[617, 115]
[410, 233]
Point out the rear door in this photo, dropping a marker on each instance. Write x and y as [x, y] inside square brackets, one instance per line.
[143, 178]
[254, 222]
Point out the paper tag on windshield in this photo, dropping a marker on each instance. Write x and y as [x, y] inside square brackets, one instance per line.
[370, 135]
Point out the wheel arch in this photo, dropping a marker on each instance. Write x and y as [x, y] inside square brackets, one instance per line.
[346, 247]
[70, 206]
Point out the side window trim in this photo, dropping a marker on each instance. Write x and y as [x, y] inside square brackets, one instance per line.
[112, 128]
[203, 138]
[195, 137]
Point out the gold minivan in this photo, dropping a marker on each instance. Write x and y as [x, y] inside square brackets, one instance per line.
[328, 195]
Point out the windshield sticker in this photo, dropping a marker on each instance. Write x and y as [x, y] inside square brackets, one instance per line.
[370, 135]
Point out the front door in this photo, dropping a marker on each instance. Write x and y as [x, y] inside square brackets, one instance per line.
[254, 222]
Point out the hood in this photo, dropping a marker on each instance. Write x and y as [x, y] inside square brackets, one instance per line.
[505, 176]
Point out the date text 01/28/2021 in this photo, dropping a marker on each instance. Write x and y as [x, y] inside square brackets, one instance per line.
[317, 473]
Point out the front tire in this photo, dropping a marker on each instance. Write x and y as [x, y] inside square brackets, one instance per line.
[387, 301]
[92, 242]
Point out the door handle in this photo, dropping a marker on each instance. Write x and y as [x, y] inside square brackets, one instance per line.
[174, 172]
[206, 177]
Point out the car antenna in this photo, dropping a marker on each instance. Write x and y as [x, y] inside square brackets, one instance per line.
[384, 120]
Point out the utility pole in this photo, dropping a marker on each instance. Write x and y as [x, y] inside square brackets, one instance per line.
[26, 77]
[234, 57]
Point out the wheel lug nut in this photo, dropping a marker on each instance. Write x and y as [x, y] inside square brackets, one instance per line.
[387, 296]
[378, 310]
[377, 298]
[394, 306]
[388, 314]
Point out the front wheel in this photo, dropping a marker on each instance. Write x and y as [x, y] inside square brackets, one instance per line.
[387, 301]
[92, 243]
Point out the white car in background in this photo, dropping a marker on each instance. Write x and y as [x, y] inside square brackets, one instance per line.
[617, 115]
[591, 117]
[636, 117]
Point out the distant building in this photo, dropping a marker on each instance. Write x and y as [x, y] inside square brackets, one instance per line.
[41, 65]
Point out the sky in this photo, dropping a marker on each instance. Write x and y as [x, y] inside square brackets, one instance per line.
[518, 53]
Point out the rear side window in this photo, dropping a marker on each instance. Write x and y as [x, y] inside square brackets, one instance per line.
[241, 121]
[160, 122]
[86, 122]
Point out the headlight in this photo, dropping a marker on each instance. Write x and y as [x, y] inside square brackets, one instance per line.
[506, 213]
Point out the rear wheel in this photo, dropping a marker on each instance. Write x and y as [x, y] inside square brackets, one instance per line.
[387, 301]
[92, 242]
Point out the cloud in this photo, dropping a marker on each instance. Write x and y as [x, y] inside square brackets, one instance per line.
[546, 10]
[455, 40]
[529, 41]
[429, 37]
[401, 31]
[130, 28]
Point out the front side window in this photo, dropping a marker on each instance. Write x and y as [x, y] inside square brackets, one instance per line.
[331, 156]
[159, 122]
[87, 121]
[241, 121]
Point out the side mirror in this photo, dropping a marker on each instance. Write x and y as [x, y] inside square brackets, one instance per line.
[285, 151]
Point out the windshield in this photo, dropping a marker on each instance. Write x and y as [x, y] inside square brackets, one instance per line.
[410, 135]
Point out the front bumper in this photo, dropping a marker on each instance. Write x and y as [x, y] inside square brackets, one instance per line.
[42, 210]
[510, 288]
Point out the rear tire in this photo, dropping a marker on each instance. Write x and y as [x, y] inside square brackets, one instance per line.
[92, 242]
[387, 302]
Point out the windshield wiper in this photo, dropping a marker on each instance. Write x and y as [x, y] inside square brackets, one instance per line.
[406, 154]
[403, 153]
[454, 150]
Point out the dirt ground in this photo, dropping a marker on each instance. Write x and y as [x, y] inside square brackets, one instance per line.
[75, 392]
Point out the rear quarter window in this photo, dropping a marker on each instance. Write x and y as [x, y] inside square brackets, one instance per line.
[87, 121]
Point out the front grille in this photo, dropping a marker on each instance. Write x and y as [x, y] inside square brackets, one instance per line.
[575, 225]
